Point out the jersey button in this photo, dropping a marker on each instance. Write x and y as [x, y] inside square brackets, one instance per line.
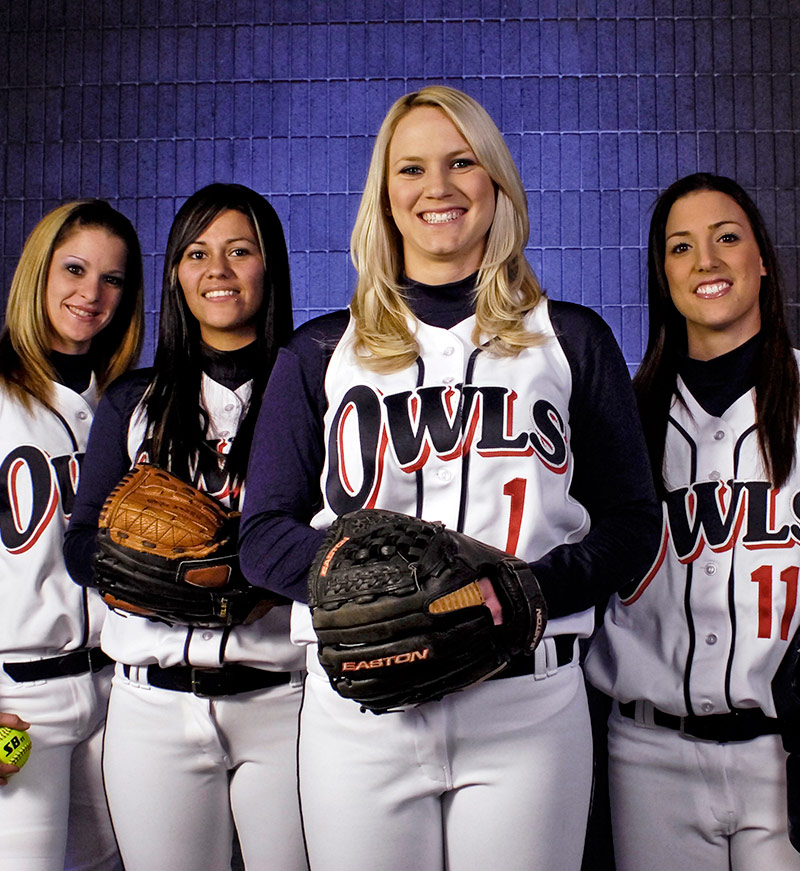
[82, 415]
[207, 636]
[711, 569]
[448, 379]
[715, 475]
[711, 638]
[719, 435]
[444, 474]
[229, 407]
[707, 707]
[224, 433]
[448, 350]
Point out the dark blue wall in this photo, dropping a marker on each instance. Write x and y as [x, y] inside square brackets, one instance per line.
[603, 102]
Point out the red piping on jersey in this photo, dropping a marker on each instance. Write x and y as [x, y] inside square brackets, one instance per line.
[645, 583]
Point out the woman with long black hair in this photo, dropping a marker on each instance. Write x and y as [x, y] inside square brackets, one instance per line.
[696, 764]
[203, 721]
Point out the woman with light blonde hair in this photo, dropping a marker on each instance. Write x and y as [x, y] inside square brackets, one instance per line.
[73, 323]
[506, 286]
[452, 390]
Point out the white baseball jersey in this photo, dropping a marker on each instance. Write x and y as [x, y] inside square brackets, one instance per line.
[503, 449]
[210, 760]
[488, 435]
[44, 613]
[539, 454]
[139, 641]
[56, 806]
[706, 628]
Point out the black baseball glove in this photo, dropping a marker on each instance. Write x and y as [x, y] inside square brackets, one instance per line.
[169, 552]
[399, 614]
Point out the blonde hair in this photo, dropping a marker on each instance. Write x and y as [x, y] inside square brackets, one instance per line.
[507, 287]
[26, 341]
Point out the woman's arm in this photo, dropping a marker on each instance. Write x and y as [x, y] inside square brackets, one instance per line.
[105, 462]
[277, 545]
[612, 477]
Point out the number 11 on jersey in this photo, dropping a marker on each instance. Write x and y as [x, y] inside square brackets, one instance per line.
[763, 577]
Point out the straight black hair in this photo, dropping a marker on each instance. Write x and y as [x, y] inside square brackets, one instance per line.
[777, 384]
[173, 402]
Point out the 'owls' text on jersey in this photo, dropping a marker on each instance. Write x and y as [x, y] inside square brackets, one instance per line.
[44, 613]
[494, 457]
[726, 574]
[526, 452]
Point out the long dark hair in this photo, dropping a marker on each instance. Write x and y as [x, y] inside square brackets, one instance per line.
[777, 384]
[173, 402]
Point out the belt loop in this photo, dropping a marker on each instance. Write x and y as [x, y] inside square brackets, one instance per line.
[576, 654]
[540, 661]
[644, 715]
[545, 659]
[134, 674]
[641, 712]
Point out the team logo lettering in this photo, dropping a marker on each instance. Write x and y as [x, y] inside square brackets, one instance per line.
[386, 661]
[708, 512]
[432, 421]
[420, 422]
[717, 515]
[31, 485]
[207, 473]
[497, 431]
[549, 438]
[353, 481]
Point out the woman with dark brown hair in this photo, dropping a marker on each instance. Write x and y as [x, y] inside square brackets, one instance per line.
[696, 764]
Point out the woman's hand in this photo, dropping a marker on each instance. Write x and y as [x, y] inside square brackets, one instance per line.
[492, 602]
[14, 722]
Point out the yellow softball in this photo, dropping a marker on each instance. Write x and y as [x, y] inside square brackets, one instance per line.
[15, 746]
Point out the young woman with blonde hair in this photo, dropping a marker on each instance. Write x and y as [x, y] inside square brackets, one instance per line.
[74, 321]
[452, 390]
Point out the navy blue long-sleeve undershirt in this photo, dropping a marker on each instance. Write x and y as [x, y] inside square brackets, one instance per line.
[107, 458]
[612, 477]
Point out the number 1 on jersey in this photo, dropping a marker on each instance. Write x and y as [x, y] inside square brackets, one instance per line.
[515, 490]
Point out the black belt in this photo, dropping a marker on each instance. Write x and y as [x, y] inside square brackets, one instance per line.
[78, 662]
[522, 665]
[741, 724]
[229, 680]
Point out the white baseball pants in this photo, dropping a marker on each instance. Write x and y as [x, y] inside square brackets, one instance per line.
[181, 770]
[53, 813]
[496, 777]
[684, 803]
